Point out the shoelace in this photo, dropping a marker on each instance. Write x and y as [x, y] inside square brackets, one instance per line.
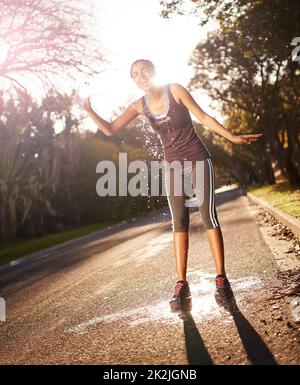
[179, 286]
[220, 282]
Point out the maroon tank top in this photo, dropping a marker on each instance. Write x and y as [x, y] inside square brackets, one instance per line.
[176, 131]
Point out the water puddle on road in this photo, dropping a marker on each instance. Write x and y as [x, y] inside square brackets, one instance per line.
[204, 304]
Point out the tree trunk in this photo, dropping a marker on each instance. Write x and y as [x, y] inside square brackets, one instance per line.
[292, 171]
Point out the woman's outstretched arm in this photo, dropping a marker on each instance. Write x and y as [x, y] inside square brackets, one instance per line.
[186, 98]
[106, 127]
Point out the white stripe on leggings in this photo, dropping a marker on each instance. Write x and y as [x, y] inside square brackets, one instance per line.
[212, 194]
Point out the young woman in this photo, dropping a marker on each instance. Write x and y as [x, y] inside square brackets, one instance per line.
[167, 108]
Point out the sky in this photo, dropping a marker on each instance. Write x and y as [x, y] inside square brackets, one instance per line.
[132, 29]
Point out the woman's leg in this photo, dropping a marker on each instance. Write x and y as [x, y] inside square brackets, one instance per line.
[206, 199]
[181, 246]
[180, 226]
[216, 243]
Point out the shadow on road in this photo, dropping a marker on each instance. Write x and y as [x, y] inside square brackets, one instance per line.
[256, 349]
[196, 351]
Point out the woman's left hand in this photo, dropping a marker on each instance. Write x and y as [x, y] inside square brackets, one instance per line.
[245, 139]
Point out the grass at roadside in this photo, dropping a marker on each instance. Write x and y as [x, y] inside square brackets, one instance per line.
[280, 195]
[20, 248]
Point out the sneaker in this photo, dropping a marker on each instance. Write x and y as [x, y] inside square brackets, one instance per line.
[223, 285]
[182, 294]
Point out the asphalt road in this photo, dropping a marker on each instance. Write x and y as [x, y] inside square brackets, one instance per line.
[106, 300]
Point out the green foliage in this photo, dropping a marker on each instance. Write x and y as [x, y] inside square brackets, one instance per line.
[280, 195]
[19, 248]
[48, 179]
[246, 65]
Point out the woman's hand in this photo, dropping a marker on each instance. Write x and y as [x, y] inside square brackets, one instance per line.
[83, 103]
[87, 104]
[245, 139]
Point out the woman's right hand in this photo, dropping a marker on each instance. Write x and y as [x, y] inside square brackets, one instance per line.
[83, 103]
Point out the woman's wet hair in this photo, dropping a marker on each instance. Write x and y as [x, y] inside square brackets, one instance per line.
[149, 62]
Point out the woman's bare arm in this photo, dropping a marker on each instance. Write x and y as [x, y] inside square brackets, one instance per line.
[106, 127]
[186, 98]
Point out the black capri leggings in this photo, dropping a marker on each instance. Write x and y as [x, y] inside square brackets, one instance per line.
[202, 182]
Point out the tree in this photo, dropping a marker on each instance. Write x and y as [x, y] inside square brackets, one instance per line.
[48, 178]
[21, 191]
[46, 39]
[247, 65]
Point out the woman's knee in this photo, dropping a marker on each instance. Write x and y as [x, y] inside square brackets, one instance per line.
[181, 218]
[181, 224]
[210, 220]
[180, 213]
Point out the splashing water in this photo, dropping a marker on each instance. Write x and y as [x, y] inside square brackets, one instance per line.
[204, 306]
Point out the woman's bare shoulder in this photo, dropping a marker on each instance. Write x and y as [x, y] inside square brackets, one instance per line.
[138, 106]
[176, 90]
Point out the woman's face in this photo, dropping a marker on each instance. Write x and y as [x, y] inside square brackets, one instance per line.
[143, 75]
